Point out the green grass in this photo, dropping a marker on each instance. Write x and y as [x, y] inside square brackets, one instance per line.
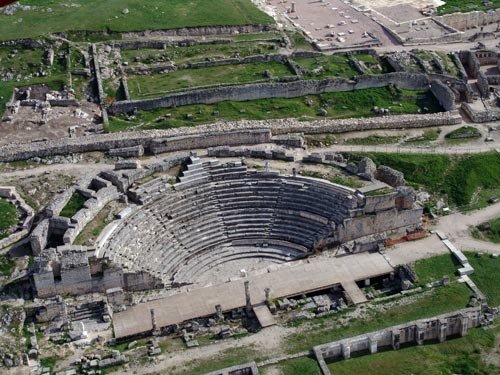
[357, 103]
[74, 205]
[49, 362]
[93, 229]
[455, 356]
[8, 217]
[349, 181]
[373, 140]
[199, 52]
[370, 61]
[98, 15]
[433, 269]
[464, 6]
[458, 177]
[486, 276]
[7, 265]
[493, 233]
[333, 66]
[223, 359]
[158, 84]
[300, 366]
[464, 132]
[26, 63]
[428, 135]
[439, 301]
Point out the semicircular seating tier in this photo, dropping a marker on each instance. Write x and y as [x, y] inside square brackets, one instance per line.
[225, 213]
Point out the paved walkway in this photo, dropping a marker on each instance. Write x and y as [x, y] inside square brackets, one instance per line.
[288, 279]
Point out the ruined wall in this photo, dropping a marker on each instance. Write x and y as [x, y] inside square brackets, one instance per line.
[483, 85]
[202, 31]
[410, 81]
[106, 142]
[480, 116]
[465, 21]
[418, 332]
[470, 62]
[443, 94]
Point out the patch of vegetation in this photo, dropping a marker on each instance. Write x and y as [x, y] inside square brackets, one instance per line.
[226, 358]
[458, 177]
[491, 232]
[49, 362]
[300, 366]
[8, 217]
[338, 105]
[437, 301]
[200, 52]
[373, 140]
[108, 16]
[348, 181]
[382, 191]
[464, 132]
[93, 229]
[158, 84]
[74, 205]
[327, 66]
[370, 61]
[427, 136]
[7, 265]
[486, 276]
[455, 356]
[433, 269]
[464, 6]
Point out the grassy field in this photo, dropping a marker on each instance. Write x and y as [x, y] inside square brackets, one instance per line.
[300, 366]
[338, 105]
[199, 52]
[158, 84]
[433, 269]
[457, 177]
[457, 356]
[333, 66]
[464, 6]
[27, 63]
[98, 15]
[486, 276]
[9, 217]
[74, 205]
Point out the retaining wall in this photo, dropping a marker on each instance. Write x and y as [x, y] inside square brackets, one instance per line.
[265, 90]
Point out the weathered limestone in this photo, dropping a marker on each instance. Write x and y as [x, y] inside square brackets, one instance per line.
[444, 95]
[245, 369]
[389, 176]
[221, 133]
[127, 152]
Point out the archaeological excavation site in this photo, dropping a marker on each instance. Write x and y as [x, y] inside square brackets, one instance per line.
[244, 187]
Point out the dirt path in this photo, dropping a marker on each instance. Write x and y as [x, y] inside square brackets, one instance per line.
[457, 228]
[266, 341]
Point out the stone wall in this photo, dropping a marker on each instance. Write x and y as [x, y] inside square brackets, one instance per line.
[483, 85]
[465, 21]
[443, 94]
[26, 216]
[230, 130]
[202, 31]
[264, 90]
[480, 116]
[470, 62]
[418, 332]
